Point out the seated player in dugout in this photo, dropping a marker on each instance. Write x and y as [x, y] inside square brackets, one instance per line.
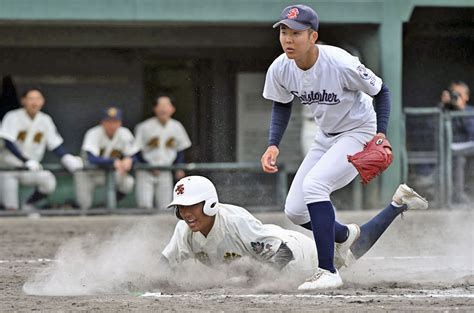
[162, 141]
[213, 232]
[27, 133]
[106, 145]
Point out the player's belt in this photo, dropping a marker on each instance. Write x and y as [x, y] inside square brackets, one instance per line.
[332, 134]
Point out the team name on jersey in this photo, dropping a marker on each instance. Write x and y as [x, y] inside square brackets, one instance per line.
[323, 97]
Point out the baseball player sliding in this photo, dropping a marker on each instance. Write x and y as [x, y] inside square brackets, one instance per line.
[107, 144]
[28, 132]
[162, 141]
[214, 233]
[340, 92]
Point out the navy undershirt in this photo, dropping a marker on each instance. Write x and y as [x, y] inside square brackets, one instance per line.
[14, 150]
[281, 113]
[382, 108]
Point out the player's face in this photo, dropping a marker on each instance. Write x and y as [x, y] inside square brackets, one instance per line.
[296, 43]
[194, 216]
[111, 126]
[163, 109]
[33, 102]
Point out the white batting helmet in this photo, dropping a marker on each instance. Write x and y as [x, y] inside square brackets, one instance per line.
[192, 190]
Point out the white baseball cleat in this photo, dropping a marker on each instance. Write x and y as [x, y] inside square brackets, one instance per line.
[322, 279]
[342, 251]
[407, 196]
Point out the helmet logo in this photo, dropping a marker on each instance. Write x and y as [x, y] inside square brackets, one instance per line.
[293, 13]
[179, 189]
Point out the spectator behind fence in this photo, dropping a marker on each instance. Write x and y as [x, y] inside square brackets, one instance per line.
[162, 141]
[28, 132]
[456, 99]
[106, 145]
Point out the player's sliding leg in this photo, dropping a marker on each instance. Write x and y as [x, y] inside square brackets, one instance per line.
[405, 198]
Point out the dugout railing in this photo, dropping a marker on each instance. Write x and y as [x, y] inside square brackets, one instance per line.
[230, 168]
[429, 142]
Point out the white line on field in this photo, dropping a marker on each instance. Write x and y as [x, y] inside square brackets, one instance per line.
[416, 257]
[280, 296]
[40, 260]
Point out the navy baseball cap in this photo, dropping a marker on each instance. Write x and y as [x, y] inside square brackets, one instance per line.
[112, 113]
[299, 17]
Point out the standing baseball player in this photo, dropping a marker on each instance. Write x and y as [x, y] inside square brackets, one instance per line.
[29, 132]
[106, 145]
[214, 233]
[340, 92]
[162, 141]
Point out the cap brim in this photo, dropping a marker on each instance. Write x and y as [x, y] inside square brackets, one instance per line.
[292, 24]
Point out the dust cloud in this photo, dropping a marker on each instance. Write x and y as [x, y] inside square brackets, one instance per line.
[128, 262]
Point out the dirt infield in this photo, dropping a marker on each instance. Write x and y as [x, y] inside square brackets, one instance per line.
[424, 263]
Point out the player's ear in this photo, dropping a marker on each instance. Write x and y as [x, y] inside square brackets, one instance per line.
[314, 37]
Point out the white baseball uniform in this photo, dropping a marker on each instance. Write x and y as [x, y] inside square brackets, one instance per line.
[338, 90]
[159, 145]
[237, 233]
[32, 137]
[99, 144]
[308, 130]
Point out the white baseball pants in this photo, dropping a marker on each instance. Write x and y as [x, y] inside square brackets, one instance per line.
[325, 169]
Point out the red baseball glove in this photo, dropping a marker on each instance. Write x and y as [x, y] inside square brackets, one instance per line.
[373, 160]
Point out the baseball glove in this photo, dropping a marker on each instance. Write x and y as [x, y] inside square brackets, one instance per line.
[373, 160]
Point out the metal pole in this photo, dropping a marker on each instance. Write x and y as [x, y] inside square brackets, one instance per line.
[449, 160]
[111, 191]
[442, 159]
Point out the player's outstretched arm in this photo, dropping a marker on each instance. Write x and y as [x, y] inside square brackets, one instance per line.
[281, 113]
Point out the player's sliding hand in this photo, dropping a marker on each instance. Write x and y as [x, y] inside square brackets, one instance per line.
[269, 159]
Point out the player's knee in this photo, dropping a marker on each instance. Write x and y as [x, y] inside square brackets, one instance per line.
[126, 184]
[315, 189]
[297, 215]
[48, 183]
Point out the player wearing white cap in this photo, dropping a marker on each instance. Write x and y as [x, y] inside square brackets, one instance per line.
[162, 141]
[106, 145]
[215, 233]
[339, 91]
[32, 132]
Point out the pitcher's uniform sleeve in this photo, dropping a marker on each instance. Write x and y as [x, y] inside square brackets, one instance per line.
[274, 89]
[355, 76]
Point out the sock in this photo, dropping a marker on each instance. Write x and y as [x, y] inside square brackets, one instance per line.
[322, 223]
[307, 225]
[35, 197]
[371, 231]
[341, 231]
